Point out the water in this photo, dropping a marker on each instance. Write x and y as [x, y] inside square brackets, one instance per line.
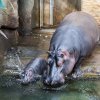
[74, 90]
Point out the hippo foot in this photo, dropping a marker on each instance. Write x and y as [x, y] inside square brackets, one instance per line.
[78, 73]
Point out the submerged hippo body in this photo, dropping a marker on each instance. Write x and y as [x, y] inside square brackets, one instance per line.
[33, 71]
[74, 39]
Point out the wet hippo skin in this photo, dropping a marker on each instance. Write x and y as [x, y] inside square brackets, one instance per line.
[33, 71]
[74, 39]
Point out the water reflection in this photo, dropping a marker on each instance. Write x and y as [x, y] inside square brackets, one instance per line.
[75, 90]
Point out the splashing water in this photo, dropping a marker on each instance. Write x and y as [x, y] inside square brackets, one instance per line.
[12, 61]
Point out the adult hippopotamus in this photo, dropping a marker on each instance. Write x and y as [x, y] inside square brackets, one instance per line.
[33, 71]
[74, 39]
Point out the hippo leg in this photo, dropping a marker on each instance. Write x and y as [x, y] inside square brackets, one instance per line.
[77, 71]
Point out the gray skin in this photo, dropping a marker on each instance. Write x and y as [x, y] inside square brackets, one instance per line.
[74, 39]
[33, 71]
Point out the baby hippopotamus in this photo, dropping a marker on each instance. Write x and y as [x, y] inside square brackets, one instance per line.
[33, 71]
[74, 39]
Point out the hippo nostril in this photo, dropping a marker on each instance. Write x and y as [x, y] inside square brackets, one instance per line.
[48, 81]
[59, 64]
[54, 83]
[57, 83]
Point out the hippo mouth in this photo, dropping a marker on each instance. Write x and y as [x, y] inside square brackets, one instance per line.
[54, 83]
[56, 79]
[49, 86]
[55, 88]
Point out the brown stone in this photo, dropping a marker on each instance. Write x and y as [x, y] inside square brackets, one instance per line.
[10, 15]
[92, 7]
[25, 16]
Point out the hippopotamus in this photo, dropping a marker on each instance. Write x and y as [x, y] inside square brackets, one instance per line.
[33, 71]
[74, 39]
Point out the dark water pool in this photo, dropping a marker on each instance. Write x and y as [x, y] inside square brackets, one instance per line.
[74, 90]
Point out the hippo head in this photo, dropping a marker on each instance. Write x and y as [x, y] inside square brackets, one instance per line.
[33, 71]
[26, 76]
[61, 63]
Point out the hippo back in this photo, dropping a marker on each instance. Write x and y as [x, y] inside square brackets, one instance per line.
[78, 30]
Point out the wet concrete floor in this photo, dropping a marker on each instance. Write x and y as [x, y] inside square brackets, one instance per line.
[37, 45]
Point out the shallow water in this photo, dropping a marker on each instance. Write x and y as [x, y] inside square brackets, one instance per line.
[74, 90]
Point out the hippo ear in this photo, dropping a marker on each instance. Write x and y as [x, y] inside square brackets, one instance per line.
[49, 52]
[72, 52]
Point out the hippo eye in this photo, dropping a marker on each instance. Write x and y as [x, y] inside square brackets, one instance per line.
[50, 62]
[62, 55]
[23, 75]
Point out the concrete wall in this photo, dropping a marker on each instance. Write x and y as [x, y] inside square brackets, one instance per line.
[9, 16]
[41, 15]
[25, 16]
[51, 12]
[64, 7]
[92, 7]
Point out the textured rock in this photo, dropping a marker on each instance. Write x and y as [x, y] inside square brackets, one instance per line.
[10, 14]
[64, 7]
[25, 16]
[92, 7]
